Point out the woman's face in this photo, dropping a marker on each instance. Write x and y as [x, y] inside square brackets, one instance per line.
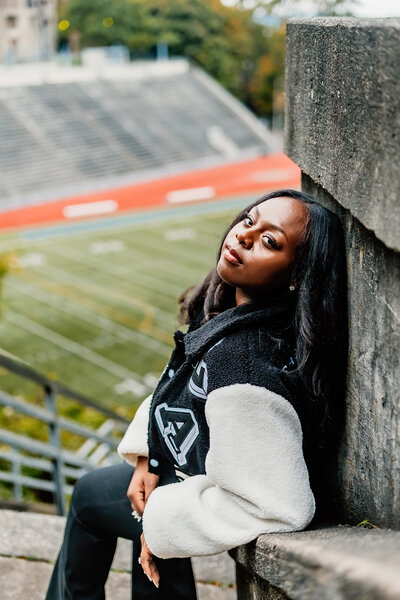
[258, 253]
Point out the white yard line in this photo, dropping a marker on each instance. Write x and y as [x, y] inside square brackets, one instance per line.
[169, 267]
[184, 258]
[86, 209]
[75, 348]
[64, 277]
[66, 305]
[117, 271]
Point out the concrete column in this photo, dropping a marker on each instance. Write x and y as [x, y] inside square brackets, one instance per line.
[343, 130]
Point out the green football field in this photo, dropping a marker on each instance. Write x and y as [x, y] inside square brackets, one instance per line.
[94, 305]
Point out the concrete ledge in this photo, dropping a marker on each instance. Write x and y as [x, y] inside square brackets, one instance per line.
[343, 114]
[346, 563]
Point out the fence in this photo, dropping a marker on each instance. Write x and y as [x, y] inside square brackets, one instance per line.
[50, 458]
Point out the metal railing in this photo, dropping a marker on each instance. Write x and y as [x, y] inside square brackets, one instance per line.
[56, 464]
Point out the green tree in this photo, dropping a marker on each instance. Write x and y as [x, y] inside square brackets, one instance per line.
[107, 22]
[267, 82]
[220, 39]
[231, 43]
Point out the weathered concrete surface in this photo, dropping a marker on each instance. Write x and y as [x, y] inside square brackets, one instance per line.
[29, 544]
[219, 567]
[369, 477]
[214, 592]
[27, 580]
[343, 114]
[39, 537]
[252, 587]
[343, 563]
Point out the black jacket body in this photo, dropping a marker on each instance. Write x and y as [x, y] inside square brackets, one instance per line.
[244, 344]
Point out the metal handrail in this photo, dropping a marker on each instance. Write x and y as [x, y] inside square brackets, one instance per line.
[54, 459]
[19, 367]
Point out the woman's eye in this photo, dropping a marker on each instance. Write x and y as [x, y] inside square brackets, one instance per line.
[248, 220]
[271, 242]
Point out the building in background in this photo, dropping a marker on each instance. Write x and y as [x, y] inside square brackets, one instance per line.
[27, 30]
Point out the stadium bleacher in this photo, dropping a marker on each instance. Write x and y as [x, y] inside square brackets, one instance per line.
[64, 128]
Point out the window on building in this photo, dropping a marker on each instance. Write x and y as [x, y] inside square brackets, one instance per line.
[30, 3]
[11, 21]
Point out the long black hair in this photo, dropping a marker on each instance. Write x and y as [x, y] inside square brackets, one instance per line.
[320, 310]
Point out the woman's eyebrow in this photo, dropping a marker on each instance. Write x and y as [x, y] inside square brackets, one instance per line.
[271, 224]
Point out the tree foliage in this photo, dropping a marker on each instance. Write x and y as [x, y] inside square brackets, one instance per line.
[245, 56]
[225, 41]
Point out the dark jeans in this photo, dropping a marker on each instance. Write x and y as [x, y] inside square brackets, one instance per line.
[100, 512]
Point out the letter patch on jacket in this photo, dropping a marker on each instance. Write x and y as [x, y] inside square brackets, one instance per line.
[179, 429]
[199, 380]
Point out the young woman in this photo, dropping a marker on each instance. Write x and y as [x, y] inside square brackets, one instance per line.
[234, 441]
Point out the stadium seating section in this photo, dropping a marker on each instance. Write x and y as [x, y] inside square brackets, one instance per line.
[62, 133]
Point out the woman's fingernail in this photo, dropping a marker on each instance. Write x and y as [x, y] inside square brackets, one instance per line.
[150, 579]
[156, 584]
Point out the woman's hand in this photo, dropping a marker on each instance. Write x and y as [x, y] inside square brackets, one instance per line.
[147, 562]
[139, 490]
[141, 485]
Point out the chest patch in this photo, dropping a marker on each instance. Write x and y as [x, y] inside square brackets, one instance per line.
[179, 429]
[198, 382]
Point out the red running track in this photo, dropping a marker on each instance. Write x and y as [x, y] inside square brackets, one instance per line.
[258, 175]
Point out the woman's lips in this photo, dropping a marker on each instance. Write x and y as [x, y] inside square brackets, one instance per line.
[232, 256]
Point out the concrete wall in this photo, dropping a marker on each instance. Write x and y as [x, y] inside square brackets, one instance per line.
[343, 130]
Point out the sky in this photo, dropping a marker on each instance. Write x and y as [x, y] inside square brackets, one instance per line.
[363, 8]
[377, 8]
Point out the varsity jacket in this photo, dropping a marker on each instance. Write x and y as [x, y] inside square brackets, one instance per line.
[223, 431]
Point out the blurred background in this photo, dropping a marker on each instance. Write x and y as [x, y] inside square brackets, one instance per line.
[131, 131]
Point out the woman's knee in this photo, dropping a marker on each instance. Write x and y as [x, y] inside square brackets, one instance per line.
[99, 488]
[86, 491]
[100, 503]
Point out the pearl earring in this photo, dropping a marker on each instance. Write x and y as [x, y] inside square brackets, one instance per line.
[291, 288]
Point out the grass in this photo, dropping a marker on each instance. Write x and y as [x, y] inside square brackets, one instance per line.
[97, 310]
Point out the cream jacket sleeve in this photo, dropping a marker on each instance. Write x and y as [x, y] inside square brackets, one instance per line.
[256, 479]
[134, 442]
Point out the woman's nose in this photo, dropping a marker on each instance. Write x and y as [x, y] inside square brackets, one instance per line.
[245, 238]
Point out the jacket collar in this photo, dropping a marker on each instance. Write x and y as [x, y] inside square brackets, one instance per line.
[245, 316]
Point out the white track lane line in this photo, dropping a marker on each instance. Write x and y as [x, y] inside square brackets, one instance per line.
[75, 348]
[85, 314]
